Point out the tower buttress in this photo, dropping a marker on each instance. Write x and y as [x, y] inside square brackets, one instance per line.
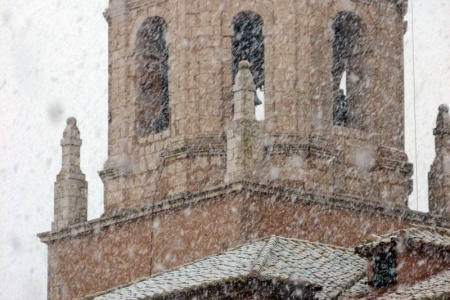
[70, 185]
[243, 134]
[439, 175]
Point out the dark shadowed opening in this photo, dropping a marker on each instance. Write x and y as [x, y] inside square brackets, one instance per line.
[384, 266]
[248, 44]
[349, 49]
[152, 96]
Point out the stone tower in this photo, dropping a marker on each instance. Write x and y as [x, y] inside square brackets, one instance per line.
[332, 75]
[191, 171]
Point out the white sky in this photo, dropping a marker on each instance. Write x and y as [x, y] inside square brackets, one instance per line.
[53, 64]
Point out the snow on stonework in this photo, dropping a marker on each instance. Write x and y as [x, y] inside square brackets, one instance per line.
[423, 255]
[289, 266]
[206, 199]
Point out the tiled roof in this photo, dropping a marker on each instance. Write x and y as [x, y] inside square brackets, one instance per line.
[432, 236]
[435, 287]
[360, 288]
[333, 268]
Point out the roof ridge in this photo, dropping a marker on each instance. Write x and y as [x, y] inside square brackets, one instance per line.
[297, 240]
[394, 234]
[434, 229]
[417, 228]
[261, 260]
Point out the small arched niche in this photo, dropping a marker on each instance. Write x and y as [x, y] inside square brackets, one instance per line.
[248, 44]
[348, 70]
[152, 95]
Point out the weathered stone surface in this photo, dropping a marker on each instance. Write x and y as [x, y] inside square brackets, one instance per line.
[439, 175]
[298, 41]
[183, 229]
[70, 185]
[178, 195]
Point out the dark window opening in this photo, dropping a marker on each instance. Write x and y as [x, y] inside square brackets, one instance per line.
[152, 101]
[385, 269]
[349, 49]
[248, 44]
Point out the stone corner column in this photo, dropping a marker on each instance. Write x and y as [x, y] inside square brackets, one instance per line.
[439, 175]
[244, 148]
[70, 186]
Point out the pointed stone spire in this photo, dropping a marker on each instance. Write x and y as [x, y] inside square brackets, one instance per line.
[442, 121]
[70, 185]
[439, 175]
[244, 93]
[244, 148]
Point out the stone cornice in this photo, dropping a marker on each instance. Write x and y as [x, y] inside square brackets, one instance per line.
[281, 194]
[386, 158]
[113, 172]
[394, 160]
[187, 151]
[304, 150]
[202, 146]
[172, 203]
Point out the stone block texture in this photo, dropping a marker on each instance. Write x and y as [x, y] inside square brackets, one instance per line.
[298, 143]
[70, 186]
[114, 250]
[326, 164]
[439, 175]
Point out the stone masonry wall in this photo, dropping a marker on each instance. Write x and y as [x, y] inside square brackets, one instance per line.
[169, 196]
[120, 249]
[298, 38]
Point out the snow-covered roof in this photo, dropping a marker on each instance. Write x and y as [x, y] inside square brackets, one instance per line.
[435, 287]
[332, 268]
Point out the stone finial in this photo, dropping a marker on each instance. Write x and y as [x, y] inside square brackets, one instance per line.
[244, 64]
[70, 185]
[244, 78]
[442, 133]
[71, 131]
[71, 144]
[442, 121]
[443, 107]
[244, 92]
[439, 175]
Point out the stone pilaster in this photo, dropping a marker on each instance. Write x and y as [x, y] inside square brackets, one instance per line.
[70, 185]
[244, 148]
[439, 175]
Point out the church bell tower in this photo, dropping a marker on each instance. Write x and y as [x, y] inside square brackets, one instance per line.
[330, 76]
[231, 121]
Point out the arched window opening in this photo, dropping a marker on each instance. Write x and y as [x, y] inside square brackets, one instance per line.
[248, 44]
[349, 49]
[152, 95]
